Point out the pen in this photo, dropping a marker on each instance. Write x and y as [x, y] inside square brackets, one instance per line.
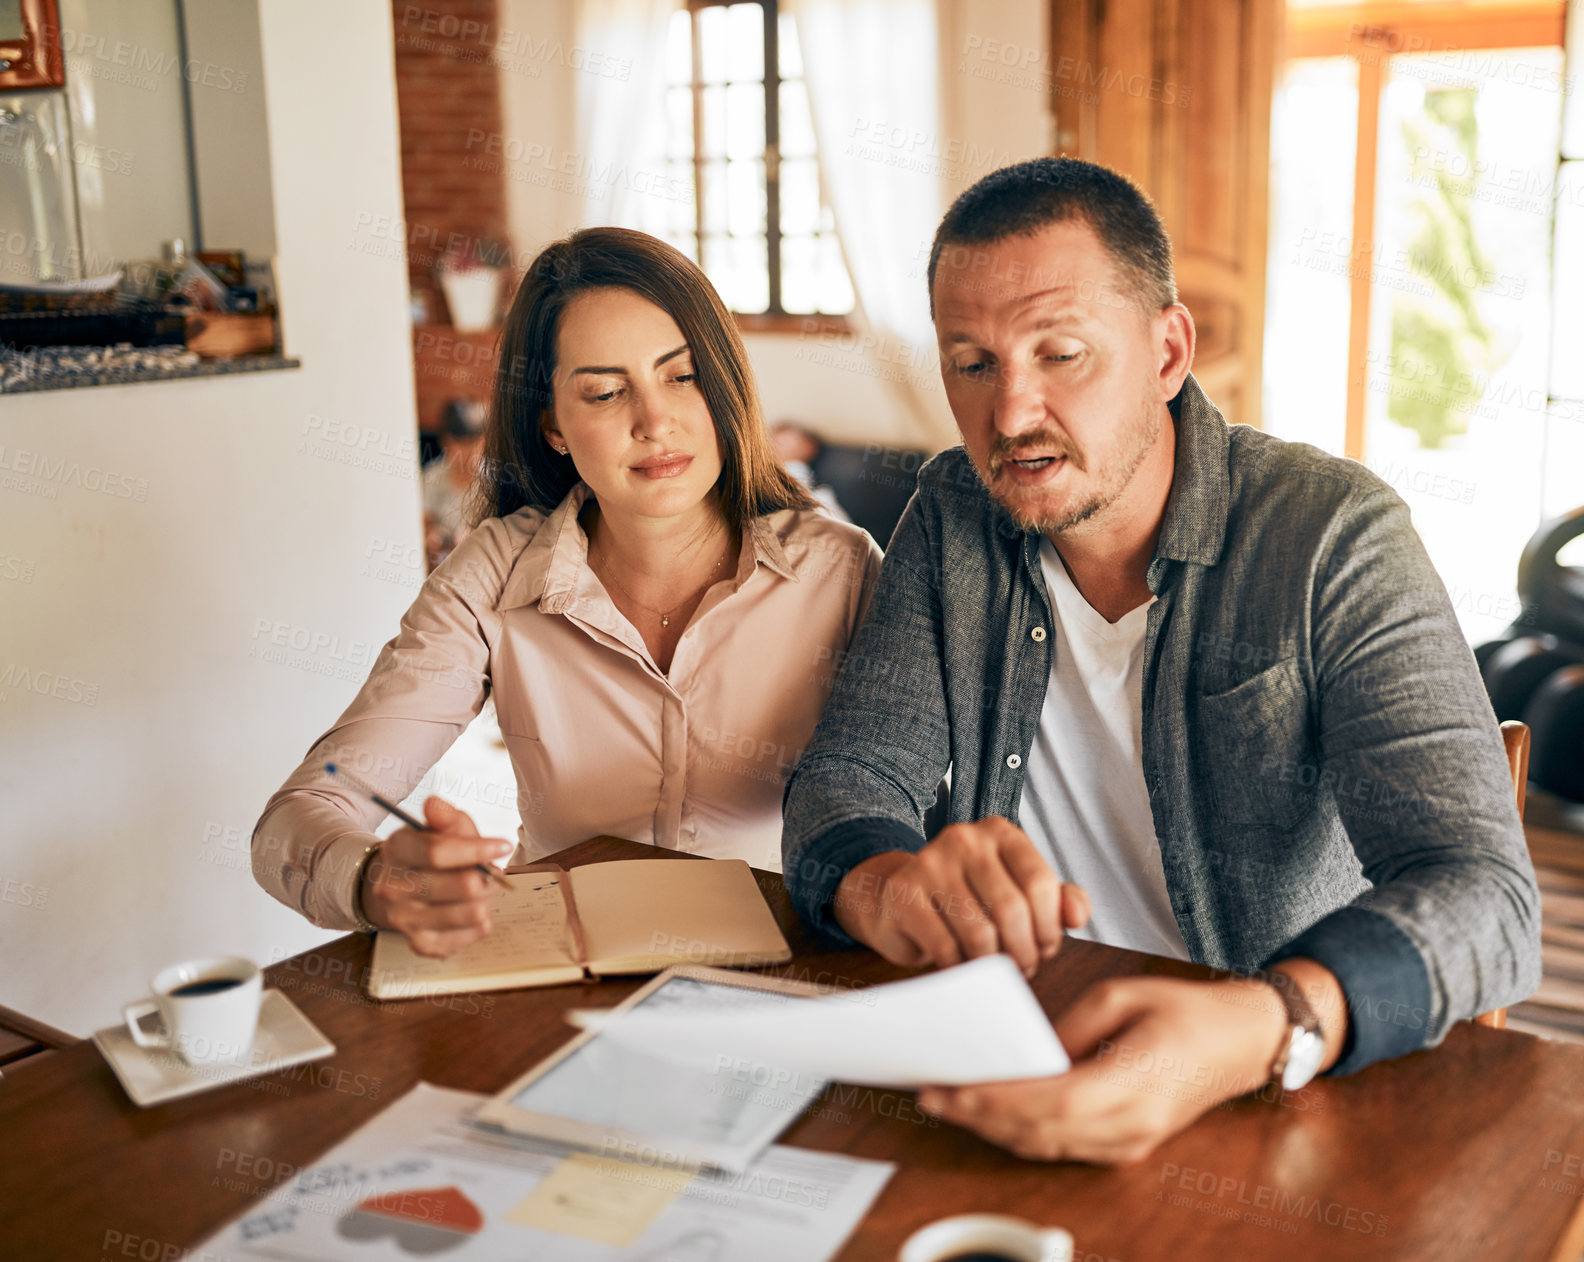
[368, 791]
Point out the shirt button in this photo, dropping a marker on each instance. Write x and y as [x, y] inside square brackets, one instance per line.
[1037, 635]
[1014, 761]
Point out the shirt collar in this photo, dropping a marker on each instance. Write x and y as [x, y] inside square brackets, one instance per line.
[554, 565]
[1194, 524]
[768, 549]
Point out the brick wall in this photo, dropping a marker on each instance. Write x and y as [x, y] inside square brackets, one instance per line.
[447, 90]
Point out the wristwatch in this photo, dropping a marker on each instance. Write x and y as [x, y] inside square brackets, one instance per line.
[1298, 1059]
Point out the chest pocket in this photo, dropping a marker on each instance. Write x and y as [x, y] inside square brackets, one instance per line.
[1257, 753]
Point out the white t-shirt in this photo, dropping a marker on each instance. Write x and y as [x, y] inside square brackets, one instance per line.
[1084, 801]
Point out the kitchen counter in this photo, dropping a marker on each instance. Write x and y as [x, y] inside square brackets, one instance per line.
[74, 367]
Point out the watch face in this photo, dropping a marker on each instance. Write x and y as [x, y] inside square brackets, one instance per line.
[1303, 1061]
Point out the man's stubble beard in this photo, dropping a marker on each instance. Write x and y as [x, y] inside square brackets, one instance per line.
[1142, 439]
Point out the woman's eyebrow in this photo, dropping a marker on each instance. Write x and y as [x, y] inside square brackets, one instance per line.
[622, 372]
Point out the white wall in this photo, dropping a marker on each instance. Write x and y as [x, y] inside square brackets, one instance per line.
[995, 73]
[142, 725]
[830, 384]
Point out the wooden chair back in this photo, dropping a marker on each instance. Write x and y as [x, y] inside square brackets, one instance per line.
[21, 1037]
[1515, 736]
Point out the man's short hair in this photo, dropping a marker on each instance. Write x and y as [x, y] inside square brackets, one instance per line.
[1019, 200]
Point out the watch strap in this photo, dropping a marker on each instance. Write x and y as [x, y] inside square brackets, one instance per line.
[364, 924]
[1301, 1018]
[1299, 1010]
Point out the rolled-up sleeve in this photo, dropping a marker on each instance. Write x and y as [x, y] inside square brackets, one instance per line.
[426, 686]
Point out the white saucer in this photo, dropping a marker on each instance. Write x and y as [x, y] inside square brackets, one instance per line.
[152, 1075]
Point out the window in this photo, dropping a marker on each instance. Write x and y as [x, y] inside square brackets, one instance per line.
[1414, 183]
[740, 133]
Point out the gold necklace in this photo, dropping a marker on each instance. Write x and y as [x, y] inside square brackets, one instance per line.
[664, 616]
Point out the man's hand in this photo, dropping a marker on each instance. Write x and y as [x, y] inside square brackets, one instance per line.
[426, 884]
[974, 890]
[1156, 1054]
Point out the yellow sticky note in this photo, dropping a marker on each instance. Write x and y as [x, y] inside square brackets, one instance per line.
[596, 1198]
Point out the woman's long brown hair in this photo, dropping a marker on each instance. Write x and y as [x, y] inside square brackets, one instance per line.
[520, 469]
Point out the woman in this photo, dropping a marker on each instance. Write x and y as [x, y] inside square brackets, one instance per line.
[654, 603]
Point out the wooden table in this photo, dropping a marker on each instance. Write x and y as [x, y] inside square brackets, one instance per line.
[1472, 1150]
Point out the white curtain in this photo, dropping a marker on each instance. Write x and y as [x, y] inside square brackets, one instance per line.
[873, 76]
[621, 112]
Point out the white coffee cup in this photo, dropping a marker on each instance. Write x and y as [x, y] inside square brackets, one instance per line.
[999, 1233]
[209, 1009]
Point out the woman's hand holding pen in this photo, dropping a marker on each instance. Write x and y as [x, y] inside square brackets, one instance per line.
[427, 885]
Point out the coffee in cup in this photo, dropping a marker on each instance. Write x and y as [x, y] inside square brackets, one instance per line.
[987, 1238]
[209, 1009]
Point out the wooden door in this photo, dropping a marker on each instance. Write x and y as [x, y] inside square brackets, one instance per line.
[1176, 94]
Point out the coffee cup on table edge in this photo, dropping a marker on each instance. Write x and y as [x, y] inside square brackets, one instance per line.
[987, 1236]
[209, 1009]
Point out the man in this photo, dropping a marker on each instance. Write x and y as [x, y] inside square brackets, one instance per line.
[448, 480]
[798, 449]
[1206, 676]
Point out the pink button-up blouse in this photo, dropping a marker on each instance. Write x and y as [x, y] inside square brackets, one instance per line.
[601, 741]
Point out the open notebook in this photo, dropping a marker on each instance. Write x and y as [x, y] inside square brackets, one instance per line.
[627, 916]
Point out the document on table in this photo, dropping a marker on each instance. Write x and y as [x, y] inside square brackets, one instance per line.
[420, 1180]
[692, 1111]
[977, 1022]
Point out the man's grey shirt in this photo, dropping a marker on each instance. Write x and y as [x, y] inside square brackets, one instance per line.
[1325, 773]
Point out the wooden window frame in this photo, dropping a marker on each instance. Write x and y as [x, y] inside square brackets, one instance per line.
[1371, 34]
[763, 322]
[774, 319]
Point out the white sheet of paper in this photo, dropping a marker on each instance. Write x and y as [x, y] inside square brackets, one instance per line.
[977, 1022]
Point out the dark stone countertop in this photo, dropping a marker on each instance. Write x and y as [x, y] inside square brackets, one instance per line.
[74, 367]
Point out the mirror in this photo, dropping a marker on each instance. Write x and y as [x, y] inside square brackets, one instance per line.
[30, 45]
